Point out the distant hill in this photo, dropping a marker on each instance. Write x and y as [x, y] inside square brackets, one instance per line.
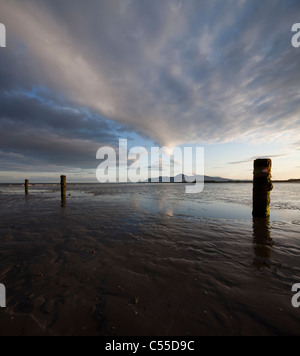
[207, 179]
[191, 179]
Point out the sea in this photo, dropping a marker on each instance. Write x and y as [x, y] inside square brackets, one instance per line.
[148, 260]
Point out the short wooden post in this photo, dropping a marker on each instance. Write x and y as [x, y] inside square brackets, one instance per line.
[63, 188]
[26, 186]
[262, 186]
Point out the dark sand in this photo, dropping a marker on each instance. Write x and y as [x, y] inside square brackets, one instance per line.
[129, 261]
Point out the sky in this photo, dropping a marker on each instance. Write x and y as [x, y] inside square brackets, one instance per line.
[80, 75]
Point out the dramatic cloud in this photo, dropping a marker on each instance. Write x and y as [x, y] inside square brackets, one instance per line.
[176, 71]
[36, 132]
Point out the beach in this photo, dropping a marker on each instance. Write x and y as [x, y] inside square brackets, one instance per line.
[148, 260]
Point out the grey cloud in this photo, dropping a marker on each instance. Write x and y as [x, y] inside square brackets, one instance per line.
[37, 112]
[37, 132]
[296, 145]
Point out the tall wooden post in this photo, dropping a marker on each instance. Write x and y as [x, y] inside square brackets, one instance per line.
[262, 186]
[63, 188]
[26, 186]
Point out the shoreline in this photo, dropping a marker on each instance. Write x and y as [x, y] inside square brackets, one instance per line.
[294, 181]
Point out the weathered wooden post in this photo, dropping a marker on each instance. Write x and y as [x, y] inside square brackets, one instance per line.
[63, 188]
[262, 186]
[26, 186]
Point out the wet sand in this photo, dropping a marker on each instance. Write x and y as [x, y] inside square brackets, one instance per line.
[128, 261]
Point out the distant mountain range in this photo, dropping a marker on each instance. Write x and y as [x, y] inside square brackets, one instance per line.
[192, 179]
[207, 179]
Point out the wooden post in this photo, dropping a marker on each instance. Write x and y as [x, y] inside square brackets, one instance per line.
[26, 186]
[262, 186]
[63, 187]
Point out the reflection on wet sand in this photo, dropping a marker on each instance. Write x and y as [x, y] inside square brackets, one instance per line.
[157, 203]
[262, 242]
[63, 202]
[165, 206]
